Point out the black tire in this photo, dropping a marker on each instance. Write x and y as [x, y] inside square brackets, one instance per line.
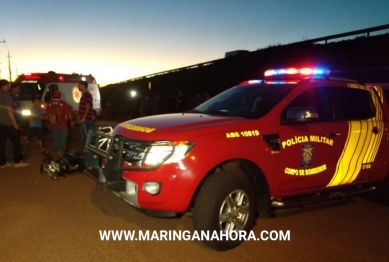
[218, 196]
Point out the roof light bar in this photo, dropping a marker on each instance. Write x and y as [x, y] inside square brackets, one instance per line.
[295, 71]
[249, 82]
[31, 76]
[281, 82]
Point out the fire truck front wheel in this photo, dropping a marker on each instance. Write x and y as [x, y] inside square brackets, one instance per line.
[225, 203]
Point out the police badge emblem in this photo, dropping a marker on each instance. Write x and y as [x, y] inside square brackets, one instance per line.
[306, 155]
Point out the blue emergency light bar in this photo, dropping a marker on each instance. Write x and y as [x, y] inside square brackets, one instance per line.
[281, 82]
[296, 71]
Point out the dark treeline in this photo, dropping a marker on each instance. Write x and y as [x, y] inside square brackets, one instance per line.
[357, 56]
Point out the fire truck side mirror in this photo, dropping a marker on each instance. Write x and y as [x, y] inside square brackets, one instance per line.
[300, 115]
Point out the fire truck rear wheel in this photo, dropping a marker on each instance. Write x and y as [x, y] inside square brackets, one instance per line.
[226, 202]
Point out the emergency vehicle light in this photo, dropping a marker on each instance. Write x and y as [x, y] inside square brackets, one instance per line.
[31, 77]
[295, 71]
[249, 82]
[280, 82]
[61, 78]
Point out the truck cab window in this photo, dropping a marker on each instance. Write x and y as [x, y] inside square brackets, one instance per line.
[351, 104]
[311, 99]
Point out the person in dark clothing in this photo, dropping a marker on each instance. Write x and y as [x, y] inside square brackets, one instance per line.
[147, 107]
[114, 103]
[180, 106]
[85, 110]
[206, 96]
[172, 104]
[17, 107]
[157, 101]
[9, 128]
[196, 101]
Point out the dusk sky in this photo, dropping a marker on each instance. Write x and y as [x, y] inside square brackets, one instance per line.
[121, 39]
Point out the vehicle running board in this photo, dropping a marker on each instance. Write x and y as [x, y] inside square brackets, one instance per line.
[321, 196]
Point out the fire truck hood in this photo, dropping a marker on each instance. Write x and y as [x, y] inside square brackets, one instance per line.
[172, 125]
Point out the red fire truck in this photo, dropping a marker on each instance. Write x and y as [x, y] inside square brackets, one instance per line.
[42, 85]
[294, 137]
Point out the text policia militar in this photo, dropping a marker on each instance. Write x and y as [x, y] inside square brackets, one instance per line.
[303, 139]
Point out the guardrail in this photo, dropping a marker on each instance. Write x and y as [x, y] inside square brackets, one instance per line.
[366, 31]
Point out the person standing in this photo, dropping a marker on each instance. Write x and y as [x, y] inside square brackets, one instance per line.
[85, 110]
[35, 130]
[17, 107]
[206, 96]
[196, 101]
[59, 114]
[9, 128]
[157, 102]
[15, 90]
[180, 106]
[114, 102]
[147, 107]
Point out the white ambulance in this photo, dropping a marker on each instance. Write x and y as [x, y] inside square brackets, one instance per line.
[42, 86]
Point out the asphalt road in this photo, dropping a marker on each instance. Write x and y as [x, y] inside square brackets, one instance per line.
[46, 220]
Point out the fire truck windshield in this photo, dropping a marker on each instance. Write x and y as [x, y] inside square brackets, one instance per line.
[250, 101]
[28, 91]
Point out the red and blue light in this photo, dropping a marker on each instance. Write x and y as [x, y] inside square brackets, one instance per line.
[297, 71]
[289, 75]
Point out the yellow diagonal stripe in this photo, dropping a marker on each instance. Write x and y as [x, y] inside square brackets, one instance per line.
[362, 144]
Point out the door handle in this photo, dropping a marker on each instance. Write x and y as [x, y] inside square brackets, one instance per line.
[333, 134]
[376, 130]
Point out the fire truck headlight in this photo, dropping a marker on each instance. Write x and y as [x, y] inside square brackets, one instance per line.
[182, 149]
[26, 112]
[158, 153]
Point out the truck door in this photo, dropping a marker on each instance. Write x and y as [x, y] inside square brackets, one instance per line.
[310, 142]
[360, 109]
[339, 147]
